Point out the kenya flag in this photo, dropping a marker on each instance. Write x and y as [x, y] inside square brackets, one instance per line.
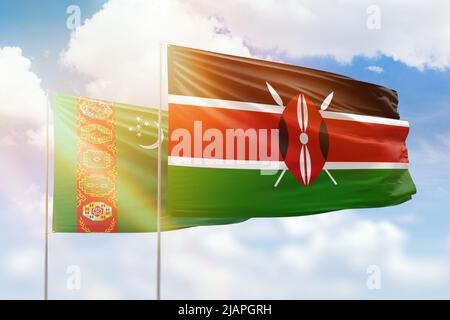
[253, 138]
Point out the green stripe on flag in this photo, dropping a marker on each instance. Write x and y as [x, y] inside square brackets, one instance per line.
[65, 164]
[210, 192]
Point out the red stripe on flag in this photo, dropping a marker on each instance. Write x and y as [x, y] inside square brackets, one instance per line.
[349, 141]
[352, 141]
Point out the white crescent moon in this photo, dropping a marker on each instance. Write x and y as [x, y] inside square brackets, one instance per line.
[157, 143]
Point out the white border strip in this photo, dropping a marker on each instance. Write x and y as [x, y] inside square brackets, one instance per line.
[275, 165]
[365, 165]
[226, 163]
[361, 118]
[225, 104]
[270, 108]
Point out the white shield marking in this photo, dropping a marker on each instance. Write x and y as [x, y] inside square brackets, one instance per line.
[308, 166]
[300, 113]
[302, 164]
[305, 112]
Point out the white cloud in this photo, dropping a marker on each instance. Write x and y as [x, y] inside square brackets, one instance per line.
[120, 266]
[22, 263]
[29, 208]
[322, 256]
[46, 54]
[359, 242]
[119, 47]
[339, 28]
[21, 94]
[22, 115]
[434, 150]
[376, 69]
[103, 292]
[7, 141]
[37, 137]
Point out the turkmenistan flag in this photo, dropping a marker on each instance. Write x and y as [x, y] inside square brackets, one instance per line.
[333, 142]
[105, 177]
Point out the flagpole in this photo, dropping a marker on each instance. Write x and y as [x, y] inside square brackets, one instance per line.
[158, 213]
[47, 134]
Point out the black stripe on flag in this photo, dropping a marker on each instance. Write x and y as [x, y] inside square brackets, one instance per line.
[206, 74]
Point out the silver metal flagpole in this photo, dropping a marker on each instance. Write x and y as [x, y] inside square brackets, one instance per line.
[47, 135]
[158, 210]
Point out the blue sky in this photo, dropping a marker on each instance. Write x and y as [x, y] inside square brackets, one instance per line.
[410, 242]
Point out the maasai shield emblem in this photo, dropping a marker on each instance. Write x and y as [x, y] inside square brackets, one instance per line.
[304, 139]
[305, 147]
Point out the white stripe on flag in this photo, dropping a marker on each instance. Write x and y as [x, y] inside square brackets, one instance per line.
[365, 165]
[271, 108]
[275, 165]
[224, 104]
